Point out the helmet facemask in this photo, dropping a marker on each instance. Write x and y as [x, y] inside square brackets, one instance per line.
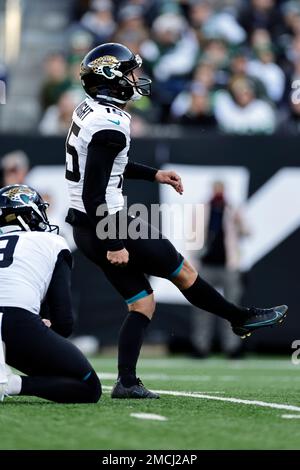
[39, 220]
[141, 86]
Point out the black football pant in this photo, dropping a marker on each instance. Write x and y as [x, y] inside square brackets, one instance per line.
[55, 369]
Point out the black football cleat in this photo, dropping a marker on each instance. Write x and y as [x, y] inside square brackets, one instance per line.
[259, 318]
[135, 391]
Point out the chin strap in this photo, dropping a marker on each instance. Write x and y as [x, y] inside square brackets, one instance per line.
[109, 99]
[23, 224]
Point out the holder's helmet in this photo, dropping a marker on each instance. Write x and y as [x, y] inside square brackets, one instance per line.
[23, 206]
[107, 74]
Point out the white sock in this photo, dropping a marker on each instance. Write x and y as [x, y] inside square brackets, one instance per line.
[14, 385]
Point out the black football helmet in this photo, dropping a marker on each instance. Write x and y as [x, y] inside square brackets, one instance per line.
[23, 206]
[107, 74]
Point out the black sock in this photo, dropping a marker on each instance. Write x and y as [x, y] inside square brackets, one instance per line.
[130, 342]
[204, 296]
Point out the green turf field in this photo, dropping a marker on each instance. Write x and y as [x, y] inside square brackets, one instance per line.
[192, 422]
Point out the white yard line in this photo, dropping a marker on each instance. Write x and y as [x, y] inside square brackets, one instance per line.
[264, 404]
[291, 416]
[150, 416]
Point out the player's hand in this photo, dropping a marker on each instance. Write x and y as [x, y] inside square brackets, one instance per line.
[46, 322]
[171, 178]
[118, 258]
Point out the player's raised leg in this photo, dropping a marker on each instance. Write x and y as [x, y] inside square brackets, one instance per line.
[243, 320]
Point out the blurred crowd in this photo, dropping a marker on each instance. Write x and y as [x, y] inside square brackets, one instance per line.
[225, 66]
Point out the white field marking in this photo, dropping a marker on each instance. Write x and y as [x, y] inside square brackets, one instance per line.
[149, 416]
[264, 404]
[107, 389]
[291, 416]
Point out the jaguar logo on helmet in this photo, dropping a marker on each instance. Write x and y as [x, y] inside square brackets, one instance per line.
[106, 65]
[14, 194]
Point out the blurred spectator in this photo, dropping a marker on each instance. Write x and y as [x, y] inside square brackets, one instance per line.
[260, 39]
[205, 77]
[205, 73]
[239, 67]
[238, 111]
[291, 15]
[99, 20]
[210, 23]
[265, 69]
[57, 118]
[56, 81]
[198, 112]
[263, 14]
[220, 267]
[174, 49]
[131, 19]
[14, 167]
[217, 53]
[80, 43]
[293, 52]
[132, 39]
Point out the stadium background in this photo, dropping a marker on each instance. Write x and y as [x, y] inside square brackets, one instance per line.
[223, 74]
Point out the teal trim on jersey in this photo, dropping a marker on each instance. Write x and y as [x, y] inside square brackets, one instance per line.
[118, 122]
[87, 376]
[138, 296]
[177, 271]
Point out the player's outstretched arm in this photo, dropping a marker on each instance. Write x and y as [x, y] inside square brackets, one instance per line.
[144, 172]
